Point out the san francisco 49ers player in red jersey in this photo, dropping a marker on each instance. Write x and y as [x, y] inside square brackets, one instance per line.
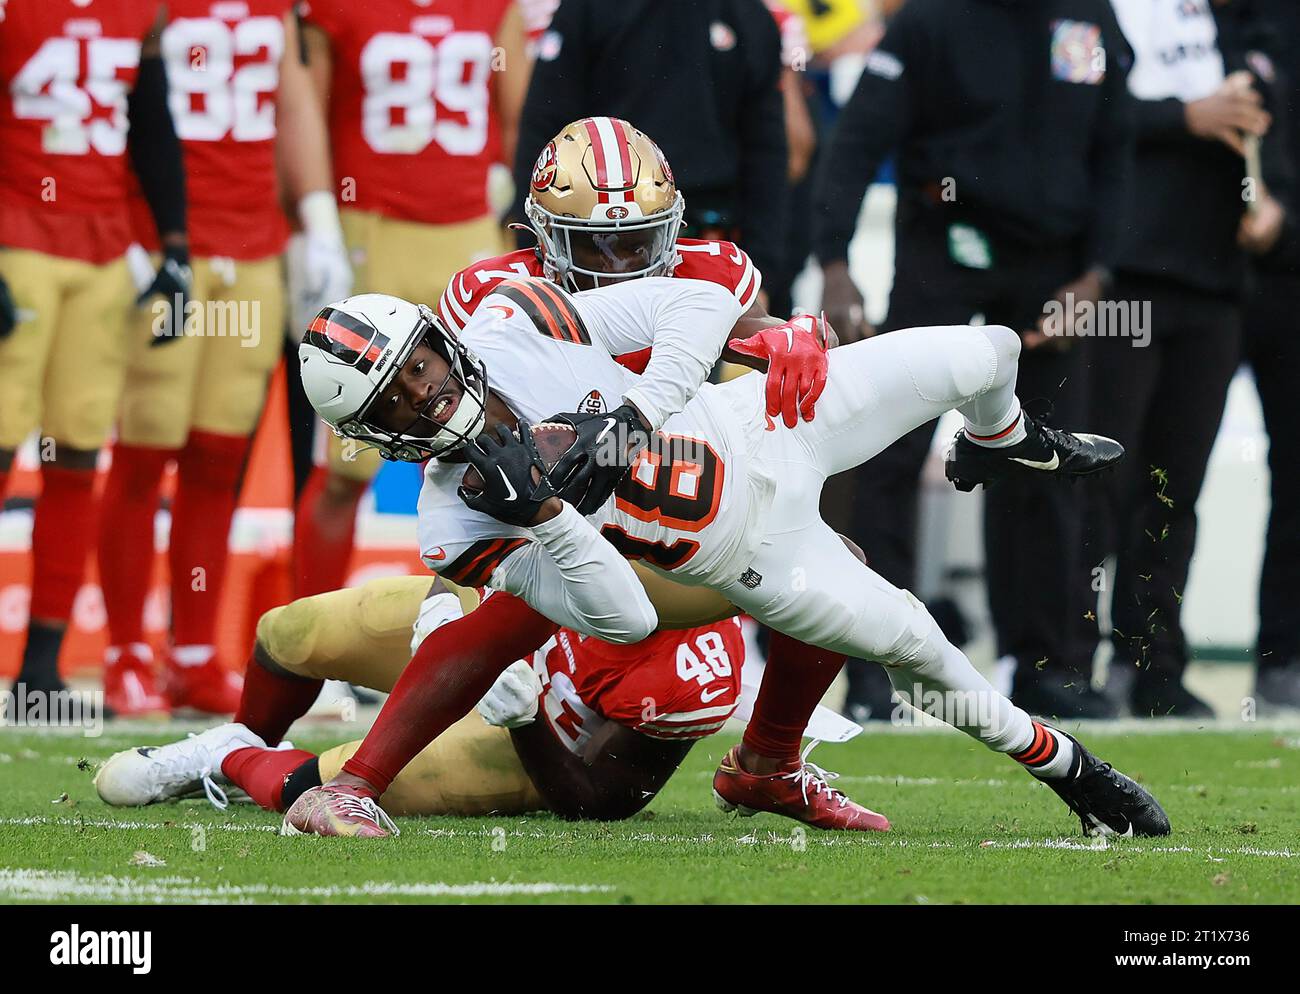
[580, 727]
[237, 85]
[422, 99]
[73, 75]
[605, 208]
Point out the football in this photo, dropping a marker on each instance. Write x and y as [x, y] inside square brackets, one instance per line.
[553, 440]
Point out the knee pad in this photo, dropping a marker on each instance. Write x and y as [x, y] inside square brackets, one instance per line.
[284, 636]
[1006, 345]
[952, 363]
[919, 646]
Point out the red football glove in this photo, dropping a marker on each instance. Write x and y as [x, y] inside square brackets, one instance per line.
[796, 365]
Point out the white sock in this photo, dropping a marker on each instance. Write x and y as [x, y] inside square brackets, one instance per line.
[1006, 430]
[1049, 755]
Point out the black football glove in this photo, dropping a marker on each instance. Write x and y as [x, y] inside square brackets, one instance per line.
[606, 447]
[8, 311]
[506, 464]
[172, 283]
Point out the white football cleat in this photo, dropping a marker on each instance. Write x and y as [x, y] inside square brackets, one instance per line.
[150, 774]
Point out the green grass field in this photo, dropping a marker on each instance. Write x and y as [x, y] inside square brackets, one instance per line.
[970, 827]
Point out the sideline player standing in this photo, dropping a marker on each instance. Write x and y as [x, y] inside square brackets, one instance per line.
[421, 102]
[74, 72]
[236, 81]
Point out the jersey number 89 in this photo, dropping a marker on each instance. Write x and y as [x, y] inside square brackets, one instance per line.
[399, 114]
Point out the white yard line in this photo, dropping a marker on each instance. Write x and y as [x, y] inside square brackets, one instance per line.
[112, 824]
[67, 885]
[722, 837]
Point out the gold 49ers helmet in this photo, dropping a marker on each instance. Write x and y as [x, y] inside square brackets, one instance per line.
[604, 205]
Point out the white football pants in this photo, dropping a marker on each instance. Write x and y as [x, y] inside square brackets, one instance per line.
[804, 582]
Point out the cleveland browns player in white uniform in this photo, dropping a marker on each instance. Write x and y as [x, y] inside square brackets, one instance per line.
[721, 497]
[618, 718]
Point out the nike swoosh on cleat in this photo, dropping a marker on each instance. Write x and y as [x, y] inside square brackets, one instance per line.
[1051, 464]
[147, 751]
[510, 491]
[1104, 829]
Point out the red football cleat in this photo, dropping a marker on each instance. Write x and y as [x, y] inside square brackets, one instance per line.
[207, 686]
[334, 809]
[130, 686]
[800, 792]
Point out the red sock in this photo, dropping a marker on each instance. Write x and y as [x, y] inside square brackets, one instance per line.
[796, 678]
[323, 528]
[126, 537]
[261, 772]
[207, 486]
[454, 667]
[271, 702]
[62, 536]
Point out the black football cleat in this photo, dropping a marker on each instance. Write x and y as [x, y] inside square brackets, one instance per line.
[1042, 452]
[1106, 801]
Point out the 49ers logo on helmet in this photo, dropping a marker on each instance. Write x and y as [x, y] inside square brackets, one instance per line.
[616, 213]
[663, 163]
[544, 171]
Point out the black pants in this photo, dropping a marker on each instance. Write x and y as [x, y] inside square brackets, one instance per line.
[1031, 529]
[1164, 402]
[1273, 349]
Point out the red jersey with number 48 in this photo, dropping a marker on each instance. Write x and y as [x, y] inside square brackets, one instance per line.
[66, 67]
[411, 116]
[223, 74]
[673, 685]
[724, 263]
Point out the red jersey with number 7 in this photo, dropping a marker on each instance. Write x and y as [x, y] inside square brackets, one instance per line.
[724, 263]
[411, 116]
[67, 67]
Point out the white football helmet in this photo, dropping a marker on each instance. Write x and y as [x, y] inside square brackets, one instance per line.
[351, 354]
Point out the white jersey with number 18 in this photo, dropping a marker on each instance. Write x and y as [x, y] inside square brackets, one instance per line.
[690, 504]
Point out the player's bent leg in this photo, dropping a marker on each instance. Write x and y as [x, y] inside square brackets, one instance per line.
[471, 769]
[361, 635]
[302, 644]
[879, 389]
